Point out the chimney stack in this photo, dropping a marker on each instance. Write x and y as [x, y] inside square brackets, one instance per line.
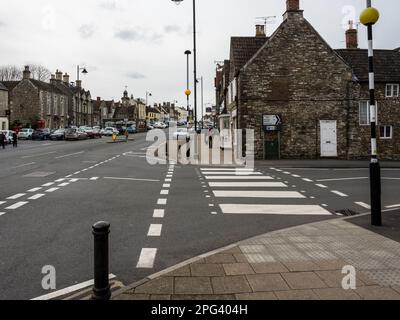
[66, 79]
[26, 73]
[260, 30]
[79, 83]
[292, 5]
[59, 75]
[53, 79]
[351, 37]
[293, 10]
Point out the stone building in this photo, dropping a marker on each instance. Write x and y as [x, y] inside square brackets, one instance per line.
[32, 101]
[3, 107]
[305, 100]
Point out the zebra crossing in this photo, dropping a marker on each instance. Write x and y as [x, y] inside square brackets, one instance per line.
[242, 191]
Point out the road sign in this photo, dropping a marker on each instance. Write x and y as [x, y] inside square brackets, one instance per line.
[271, 120]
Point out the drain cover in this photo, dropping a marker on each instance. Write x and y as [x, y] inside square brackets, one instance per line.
[347, 212]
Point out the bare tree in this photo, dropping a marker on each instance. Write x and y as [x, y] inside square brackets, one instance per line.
[10, 73]
[39, 72]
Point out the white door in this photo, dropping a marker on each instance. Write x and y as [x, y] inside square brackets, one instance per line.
[328, 138]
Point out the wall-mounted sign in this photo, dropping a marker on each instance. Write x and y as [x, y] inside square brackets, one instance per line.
[271, 120]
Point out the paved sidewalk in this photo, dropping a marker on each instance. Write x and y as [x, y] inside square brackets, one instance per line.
[299, 263]
[324, 163]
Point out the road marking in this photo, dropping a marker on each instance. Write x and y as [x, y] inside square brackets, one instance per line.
[341, 194]
[36, 196]
[226, 169]
[2, 202]
[17, 205]
[247, 184]
[2, 213]
[16, 196]
[159, 213]
[131, 179]
[307, 180]
[69, 176]
[363, 204]
[238, 178]
[73, 180]
[146, 259]
[166, 185]
[162, 202]
[38, 155]
[78, 172]
[68, 290]
[322, 186]
[342, 179]
[164, 192]
[69, 155]
[47, 184]
[155, 230]
[390, 178]
[214, 213]
[324, 205]
[60, 180]
[169, 176]
[63, 184]
[35, 189]
[393, 206]
[274, 209]
[168, 180]
[24, 165]
[285, 172]
[52, 190]
[296, 176]
[258, 194]
[244, 173]
[94, 178]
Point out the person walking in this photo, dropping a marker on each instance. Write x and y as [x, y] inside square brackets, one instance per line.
[15, 140]
[210, 137]
[2, 140]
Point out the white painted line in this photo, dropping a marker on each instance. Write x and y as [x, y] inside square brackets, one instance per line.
[159, 213]
[36, 196]
[2, 202]
[235, 173]
[70, 155]
[2, 213]
[94, 178]
[47, 184]
[60, 180]
[69, 176]
[341, 194]
[296, 176]
[162, 202]
[324, 205]
[24, 165]
[342, 179]
[259, 194]
[17, 205]
[146, 259]
[307, 180]
[285, 172]
[63, 184]
[38, 155]
[74, 180]
[274, 209]
[16, 196]
[131, 179]
[363, 204]
[169, 176]
[211, 205]
[238, 178]
[393, 206]
[168, 180]
[52, 190]
[84, 170]
[322, 186]
[68, 290]
[226, 169]
[155, 230]
[164, 192]
[214, 213]
[247, 184]
[78, 172]
[166, 185]
[35, 189]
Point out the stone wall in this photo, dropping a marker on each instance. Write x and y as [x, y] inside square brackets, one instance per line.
[25, 106]
[3, 102]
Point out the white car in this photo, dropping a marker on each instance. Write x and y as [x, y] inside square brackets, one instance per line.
[182, 134]
[109, 131]
[9, 136]
[25, 134]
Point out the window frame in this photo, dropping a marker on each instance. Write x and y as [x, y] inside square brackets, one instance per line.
[392, 86]
[384, 130]
[368, 113]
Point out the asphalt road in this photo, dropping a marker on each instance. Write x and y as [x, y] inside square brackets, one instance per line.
[160, 215]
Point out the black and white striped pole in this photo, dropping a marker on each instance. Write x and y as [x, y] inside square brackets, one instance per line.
[369, 17]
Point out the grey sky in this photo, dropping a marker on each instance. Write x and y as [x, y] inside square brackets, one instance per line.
[141, 43]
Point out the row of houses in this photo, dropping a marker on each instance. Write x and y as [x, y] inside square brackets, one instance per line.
[305, 100]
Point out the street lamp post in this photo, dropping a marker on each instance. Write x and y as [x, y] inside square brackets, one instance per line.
[369, 17]
[148, 94]
[194, 57]
[84, 71]
[187, 92]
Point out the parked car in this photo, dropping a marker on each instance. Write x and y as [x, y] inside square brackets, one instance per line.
[149, 127]
[89, 131]
[182, 134]
[9, 136]
[25, 134]
[75, 134]
[58, 135]
[97, 132]
[132, 130]
[41, 134]
[109, 131]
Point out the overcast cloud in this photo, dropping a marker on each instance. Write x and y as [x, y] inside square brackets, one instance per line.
[141, 43]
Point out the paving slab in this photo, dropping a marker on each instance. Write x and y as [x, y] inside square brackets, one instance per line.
[336, 294]
[230, 285]
[163, 285]
[296, 295]
[303, 280]
[269, 267]
[207, 270]
[193, 285]
[256, 296]
[235, 269]
[267, 282]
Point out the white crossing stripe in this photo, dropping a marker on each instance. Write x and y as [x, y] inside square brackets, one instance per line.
[146, 259]
[259, 194]
[162, 201]
[363, 204]
[2, 213]
[307, 180]
[16, 196]
[164, 192]
[274, 209]
[341, 194]
[393, 206]
[35, 189]
[2, 202]
[63, 184]
[239, 178]
[47, 184]
[36, 196]
[166, 185]
[247, 184]
[17, 205]
[52, 190]
[155, 230]
[94, 178]
[322, 186]
[159, 213]
[60, 180]
[226, 169]
[239, 173]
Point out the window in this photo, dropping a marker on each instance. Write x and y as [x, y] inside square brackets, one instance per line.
[365, 117]
[386, 132]
[392, 90]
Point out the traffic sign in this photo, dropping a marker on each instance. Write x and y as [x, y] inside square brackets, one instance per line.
[271, 120]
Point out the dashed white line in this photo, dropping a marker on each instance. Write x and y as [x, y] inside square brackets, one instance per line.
[341, 194]
[69, 155]
[63, 184]
[94, 178]
[155, 230]
[162, 202]
[35, 189]
[146, 259]
[307, 180]
[24, 165]
[52, 190]
[2, 202]
[363, 204]
[166, 185]
[36, 196]
[322, 186]
[164, 192]
[17, 205]
[393, 206]
[159, 213]
[2, 213]
[16, 196]
[47, 184]
[60, 180]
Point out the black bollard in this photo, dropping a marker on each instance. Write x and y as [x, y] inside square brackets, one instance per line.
[376, 194]
[101, 289]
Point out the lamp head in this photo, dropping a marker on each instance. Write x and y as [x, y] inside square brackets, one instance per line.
[188, 52]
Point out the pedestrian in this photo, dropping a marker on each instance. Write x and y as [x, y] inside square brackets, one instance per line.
[126, 135]
[2, 140]
[15, 140]
[210, 137]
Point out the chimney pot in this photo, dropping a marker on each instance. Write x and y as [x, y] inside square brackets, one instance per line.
[27, 73]
[260, 30]
[59, 75]
[293, 5]
[66, 78]
[351, 37]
